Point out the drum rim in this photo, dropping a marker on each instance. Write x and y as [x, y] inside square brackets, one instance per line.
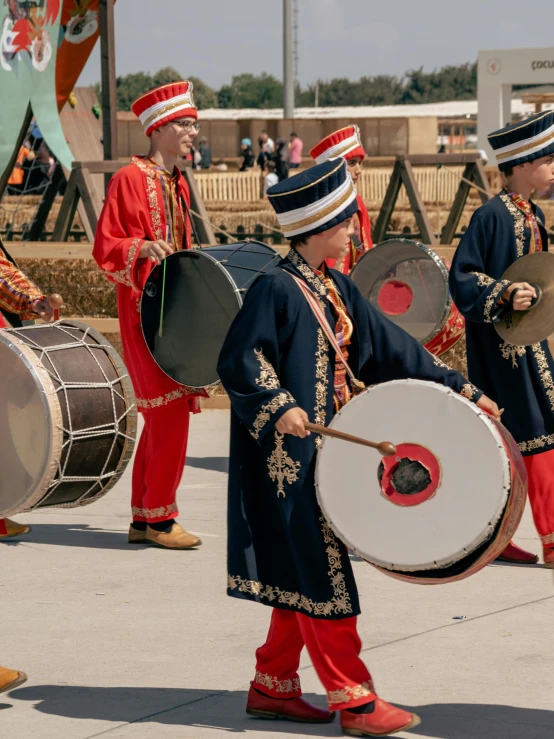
[406, 570]
[442, 267]
[129, 395]
[238, 297]
[54, 418]
[246, 242]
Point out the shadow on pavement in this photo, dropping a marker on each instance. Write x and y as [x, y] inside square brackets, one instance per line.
[225, 710]
[74, 535]
[216, 464]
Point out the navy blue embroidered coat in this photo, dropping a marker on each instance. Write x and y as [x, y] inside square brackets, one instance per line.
[518, 378]
[281, 551]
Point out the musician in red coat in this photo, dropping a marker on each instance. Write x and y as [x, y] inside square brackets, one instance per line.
[347, 143]
[20, 300]
[144, 219]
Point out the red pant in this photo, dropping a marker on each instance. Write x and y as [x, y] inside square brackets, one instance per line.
[540, 471]
[334, 648]
[159, 462]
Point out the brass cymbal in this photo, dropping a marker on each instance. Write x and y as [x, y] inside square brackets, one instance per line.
[526, 327]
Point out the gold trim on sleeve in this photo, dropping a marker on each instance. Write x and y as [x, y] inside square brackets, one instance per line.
[268, 377]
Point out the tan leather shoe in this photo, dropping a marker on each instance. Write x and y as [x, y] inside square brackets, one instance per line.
[136, 536]
[175, 538]
[12, 528]
[10, 679]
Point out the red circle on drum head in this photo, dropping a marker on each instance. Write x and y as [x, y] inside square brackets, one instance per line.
[426, 460]
[395, 298]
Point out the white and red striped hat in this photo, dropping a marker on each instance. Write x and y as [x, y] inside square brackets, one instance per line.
[165, 104]
[345, 143]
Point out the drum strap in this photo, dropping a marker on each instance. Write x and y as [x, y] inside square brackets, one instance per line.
[327, 330]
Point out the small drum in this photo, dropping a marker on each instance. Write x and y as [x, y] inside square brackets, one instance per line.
[440, 510]
[408, 282]
[67, 417]
[190, 301]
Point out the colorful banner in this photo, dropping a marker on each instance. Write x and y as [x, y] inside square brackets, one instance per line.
[80, 30]
[28, 51]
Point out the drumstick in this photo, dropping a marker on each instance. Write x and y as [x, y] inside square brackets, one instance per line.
[56, 302]
[383, 447]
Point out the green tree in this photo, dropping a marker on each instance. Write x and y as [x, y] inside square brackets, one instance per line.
[130, 87]
[204, 96]
[165, 76]
[251, 91]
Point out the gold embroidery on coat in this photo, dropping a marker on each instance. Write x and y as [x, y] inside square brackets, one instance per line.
[268, 377]
[280, 686]
[539, 443]
[341, 599]
[125, 276]
[544, 373]
[491, 299]
[309, 275]
[179, 392]
[512, 351]
[321, 374]
[468, 391]
[266, 411]
[548, 539]
[281, 467]
[152, 197]
[482, 279]
[350, 693]
[519, 222]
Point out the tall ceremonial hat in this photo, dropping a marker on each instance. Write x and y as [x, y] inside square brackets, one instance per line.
[524, 141]
[164, 104]
[345, 143]
[314, 200]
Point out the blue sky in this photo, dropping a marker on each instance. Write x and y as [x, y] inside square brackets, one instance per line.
[215, 39]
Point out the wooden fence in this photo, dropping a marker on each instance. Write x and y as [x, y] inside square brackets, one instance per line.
[434, 183]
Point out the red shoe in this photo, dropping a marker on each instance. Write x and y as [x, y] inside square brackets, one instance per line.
[386, 719]
[517, 555]
[548, 553]
[294, 709]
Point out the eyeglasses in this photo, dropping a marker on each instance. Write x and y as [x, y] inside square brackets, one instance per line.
[188, 126]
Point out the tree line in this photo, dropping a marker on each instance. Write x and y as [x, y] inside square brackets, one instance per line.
[266, 91]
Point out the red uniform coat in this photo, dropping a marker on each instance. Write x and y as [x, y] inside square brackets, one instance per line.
[363, 233]
[137, 209]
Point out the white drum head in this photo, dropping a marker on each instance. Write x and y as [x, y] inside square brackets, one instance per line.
[30, 432]
[473, 483]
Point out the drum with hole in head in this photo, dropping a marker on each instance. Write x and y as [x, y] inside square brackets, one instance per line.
[67, 417]
[408, 282]
[440, 510]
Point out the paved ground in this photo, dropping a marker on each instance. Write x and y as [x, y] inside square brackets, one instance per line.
[124, 642]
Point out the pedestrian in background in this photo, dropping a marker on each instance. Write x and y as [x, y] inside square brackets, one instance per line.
[295, 151]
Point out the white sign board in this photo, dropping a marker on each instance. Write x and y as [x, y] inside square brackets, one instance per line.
[497, 71]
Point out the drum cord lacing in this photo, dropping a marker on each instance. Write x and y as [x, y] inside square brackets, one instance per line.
[92, 432]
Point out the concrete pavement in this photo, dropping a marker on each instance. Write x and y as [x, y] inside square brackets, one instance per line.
[122, 641]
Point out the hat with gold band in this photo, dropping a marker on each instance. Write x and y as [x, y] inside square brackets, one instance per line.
[524, 141]
[345, 143]
[164, 104]
[314, 200]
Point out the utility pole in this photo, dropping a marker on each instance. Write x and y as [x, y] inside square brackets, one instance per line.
[109, 88]
[288, 56]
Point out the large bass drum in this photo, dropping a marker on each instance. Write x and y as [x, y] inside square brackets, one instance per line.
[190, 301]
[426, 515]
[408, 282]
[67, 417]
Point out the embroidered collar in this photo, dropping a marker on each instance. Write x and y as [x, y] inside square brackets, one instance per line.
[154, 170]
[300, 264]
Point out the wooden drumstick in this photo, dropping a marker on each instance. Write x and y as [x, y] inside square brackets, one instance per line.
[385, 448]
[56, 302]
